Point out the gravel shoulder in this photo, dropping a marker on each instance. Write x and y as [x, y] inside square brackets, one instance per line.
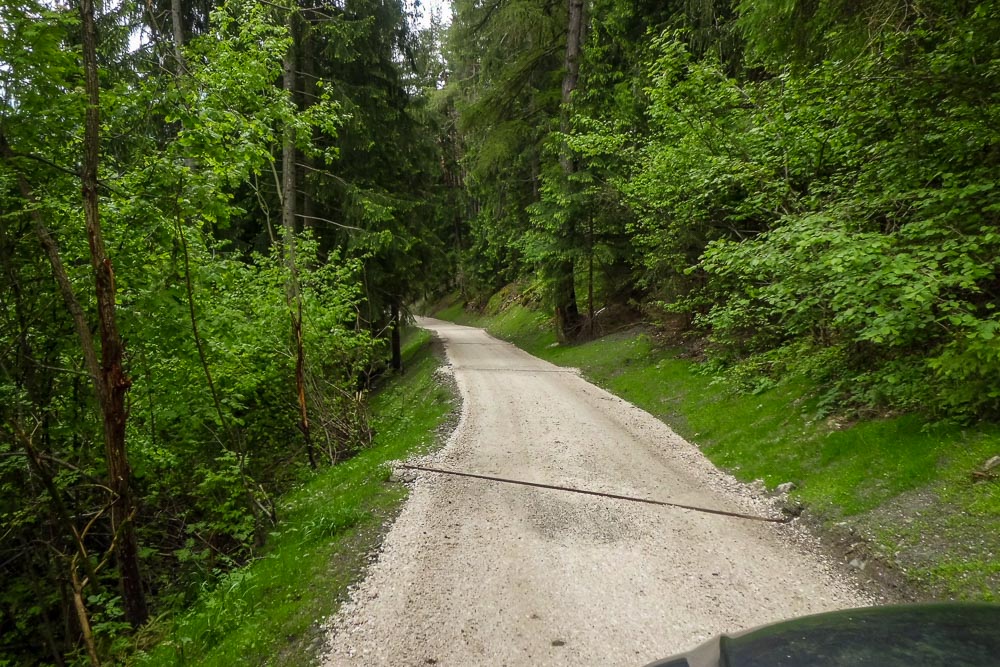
[476, 572]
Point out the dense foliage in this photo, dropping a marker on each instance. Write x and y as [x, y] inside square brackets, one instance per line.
[809, 185]
[267, 189]
[212, 215]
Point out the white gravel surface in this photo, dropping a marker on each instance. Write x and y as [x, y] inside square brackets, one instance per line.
[481, 573]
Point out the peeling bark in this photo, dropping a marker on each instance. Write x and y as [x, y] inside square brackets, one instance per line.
[113, 382]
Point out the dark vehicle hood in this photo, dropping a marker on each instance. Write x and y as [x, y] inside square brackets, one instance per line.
[948, 634]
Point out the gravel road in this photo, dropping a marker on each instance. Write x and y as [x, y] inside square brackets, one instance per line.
[481, 573]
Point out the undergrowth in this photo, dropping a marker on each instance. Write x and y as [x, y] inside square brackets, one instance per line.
[270, 611]
[906, 485]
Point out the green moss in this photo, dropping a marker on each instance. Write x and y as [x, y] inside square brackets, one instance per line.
[967, 580]
[452, 313]
[269, 612]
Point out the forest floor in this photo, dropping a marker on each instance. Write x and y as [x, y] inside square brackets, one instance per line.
[477, 572]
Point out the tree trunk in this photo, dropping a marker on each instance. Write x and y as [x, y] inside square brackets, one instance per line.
[397, 351]
[568, 321]
[199, 346]
[308, 99]
[62, 278]
[574, 43]
[113, 382]
[288, 180]
[82, 617]
[590, 277]
[300, 385]
[288, 210]
[177, 23]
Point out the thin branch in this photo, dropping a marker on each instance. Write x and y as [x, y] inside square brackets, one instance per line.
[66, 464]
[277, 183]
[65, 170]
[335, 224]
[264, 208]
[70, 371]
[486, 18]
[324, 172]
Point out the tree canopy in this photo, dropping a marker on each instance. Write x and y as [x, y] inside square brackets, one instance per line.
[213, 215]
[808, 186]
[260, 198]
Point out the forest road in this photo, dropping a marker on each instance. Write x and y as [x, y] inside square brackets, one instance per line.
[483, 573]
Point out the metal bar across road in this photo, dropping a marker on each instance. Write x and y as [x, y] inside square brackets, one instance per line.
[554, 487]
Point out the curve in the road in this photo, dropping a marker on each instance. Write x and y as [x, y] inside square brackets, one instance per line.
[477, 573]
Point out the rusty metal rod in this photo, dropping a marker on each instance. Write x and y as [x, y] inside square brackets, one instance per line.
[571, 371]
[554, 487]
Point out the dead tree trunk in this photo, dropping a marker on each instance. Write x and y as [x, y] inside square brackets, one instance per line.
[113, 382]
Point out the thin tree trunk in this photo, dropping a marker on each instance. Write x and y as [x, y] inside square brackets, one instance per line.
[590, 276]
[62, 278]
[309, 217]
[114, 382]
[574, 43]
[197, 335]
[288, 180]
[62, 516]
[300, 385]
[567, 312]
[397, 351]
[288, 210]
[177, 22]
[81, 615]
[90, 361]
[56, 499]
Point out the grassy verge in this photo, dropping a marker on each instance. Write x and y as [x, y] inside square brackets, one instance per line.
[269, 612]
[906, 487]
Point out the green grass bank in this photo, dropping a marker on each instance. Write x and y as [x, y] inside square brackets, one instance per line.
[898, 496]
[269, 612]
